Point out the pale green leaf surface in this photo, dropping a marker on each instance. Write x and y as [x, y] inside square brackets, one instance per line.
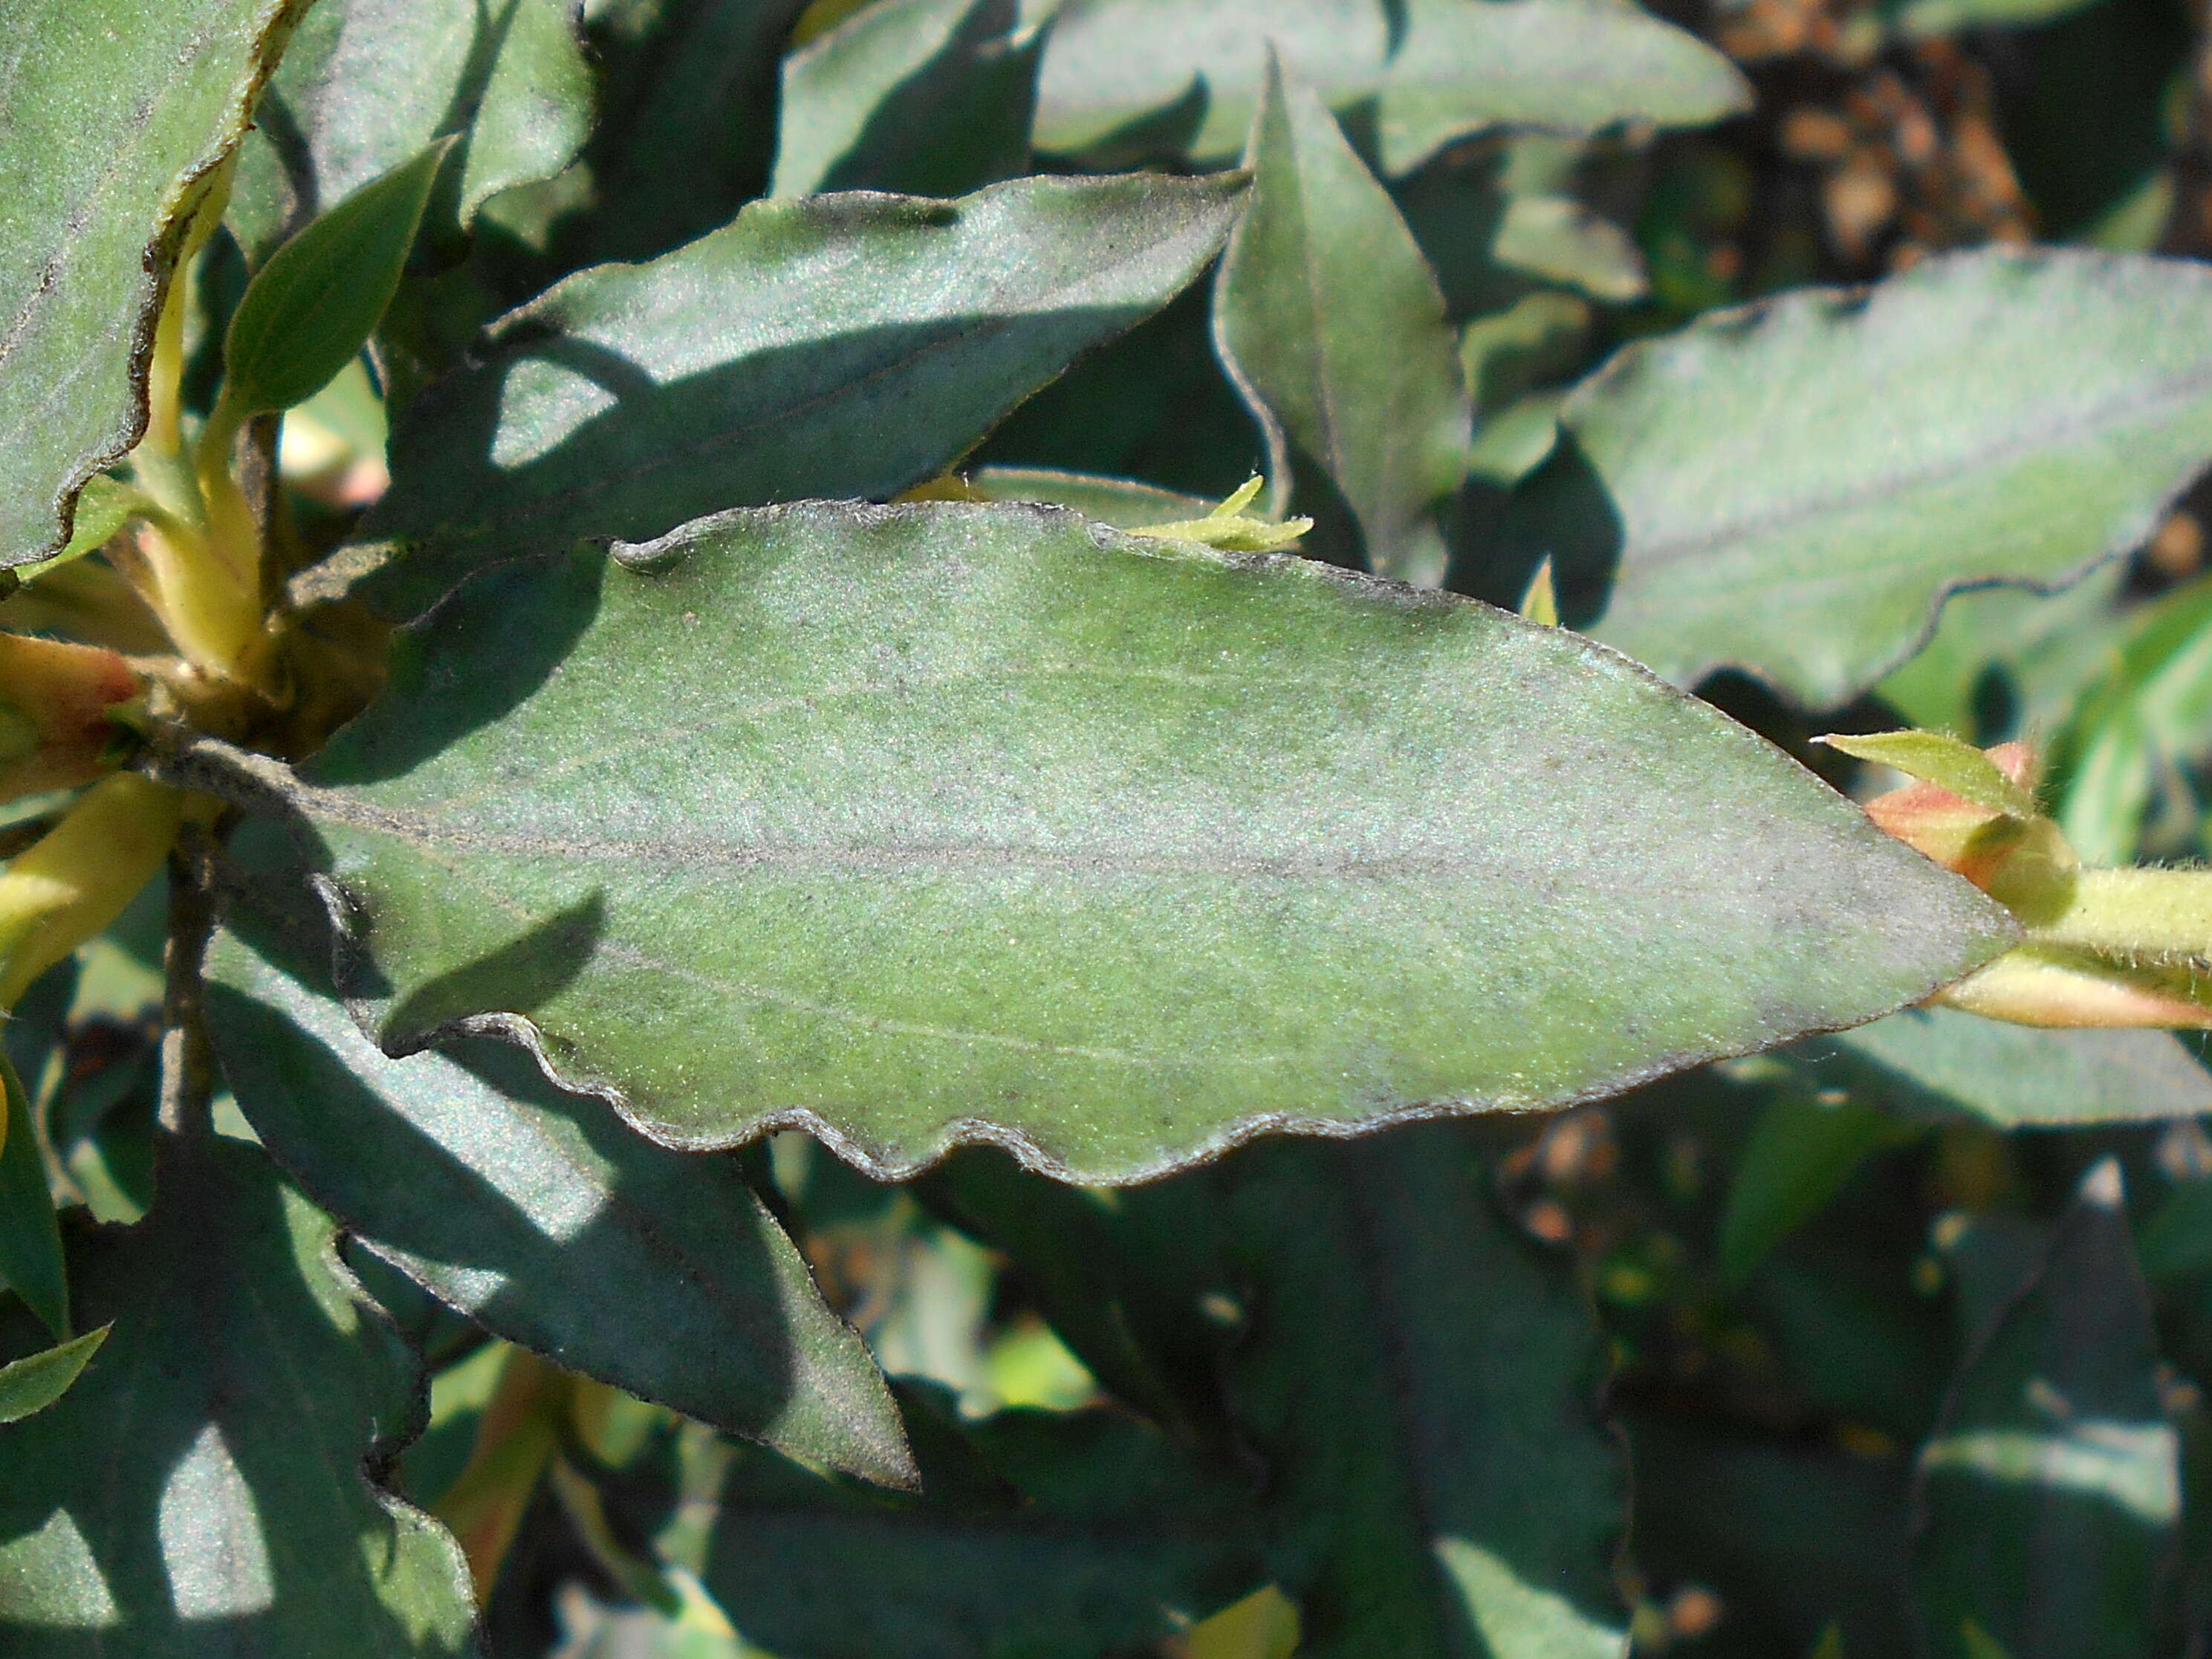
[1793, 488]
[33, 1382]
[1331, 324]
[839, 346]
[922, 824]
[2051, 1488]
[1423, 1384]
[545, 1219]
[312, 306]
[365, 84]
[1433, 70]
[199, 1490]
[1124, 503]
[1948, 762]
[1923, 18]
[927, 97]
[1941, 1062]
[111, 116]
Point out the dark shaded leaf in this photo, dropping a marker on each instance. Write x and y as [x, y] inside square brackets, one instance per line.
[546, 1220]
[113, 117]
[1054, 1537]
[1423, 1383]
[1938, 1062]
[927, 824]
[30, 1242]
[1331, 323]
[1801, 1152]
[2051, 1487]
[198, 1491]
[927, 97]
[840, 346]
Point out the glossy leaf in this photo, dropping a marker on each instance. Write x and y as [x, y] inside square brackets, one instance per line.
[199, 1490]
[1331, 323]
[366, 84]
[928, 97]
[1078, 1535]
[934, 823]
[1792, 490]
[112, 118]
[2051, 1488]
[547, 1221]
[1433, 70]
[1423, 1384]
[841, 346]
[30, 1242]
[315, 304]
[33, 1382]
[1938, 1062]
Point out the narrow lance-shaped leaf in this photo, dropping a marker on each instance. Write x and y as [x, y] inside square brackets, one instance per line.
[2051, 1489]
[545, 1218]
[30, 1242]
[1430, 71]
[1331, 323]
[840, 346]
[925, 824]
[112, 118]
[317, 301]
[1423, 1385]
[1794, 488]
[199, 1490]
[33, 1382]
[365, 84]
[929, 97]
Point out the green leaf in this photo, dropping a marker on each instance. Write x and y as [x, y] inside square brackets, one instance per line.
[1075, 1534]
[1796, 1159]
[928, 97]
[316, 301]
[1945, 762]
[2142, 722]
[545, 1220]
[112, 118]
[34, 1382]
[2052, 1486]
[1123, 503]
[839, 346]
[927, 824]
[1424, 1385]
[1921, 18]
[30, 1242]
[199, 1492]
[687, 129]
[1792, 489]
[1331, 324]
[1942, 1063]
[1432, 70]
[366, 84]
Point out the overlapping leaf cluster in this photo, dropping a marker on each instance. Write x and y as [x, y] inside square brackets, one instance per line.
[792, 692]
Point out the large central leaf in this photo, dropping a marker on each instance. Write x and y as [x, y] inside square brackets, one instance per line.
[921, 824]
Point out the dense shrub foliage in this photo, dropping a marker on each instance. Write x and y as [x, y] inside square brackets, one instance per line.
[958, 829]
